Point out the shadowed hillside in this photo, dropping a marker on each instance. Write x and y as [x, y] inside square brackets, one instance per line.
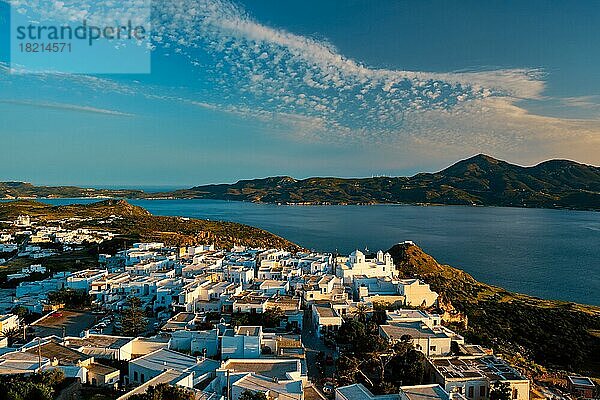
[554, 334]
[27, 190]
[136, 223]
[479, 180]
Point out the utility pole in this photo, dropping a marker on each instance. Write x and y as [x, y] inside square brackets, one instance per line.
[39, 354]
[228, 386]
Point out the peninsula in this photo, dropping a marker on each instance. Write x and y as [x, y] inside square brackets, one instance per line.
[480, 180]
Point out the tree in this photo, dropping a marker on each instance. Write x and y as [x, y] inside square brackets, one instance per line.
[20, 311]
[347, 368]
[239, 319]
[360, 312]
[35, 387]
[12, 334]
[373, 344]
[249, 395]
[375, 361]
[271, 318]
[500, 391]
[388, 388]
[52, 377]
[351, 332]
[379, 317]
[71, 297]
[132, 319]
[164, 391]
[408, 367]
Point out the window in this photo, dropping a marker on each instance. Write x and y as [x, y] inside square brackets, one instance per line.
[432, 348]
[515, 393]
[481, 391]
[135, 376]
[471, 391]
[143, 379]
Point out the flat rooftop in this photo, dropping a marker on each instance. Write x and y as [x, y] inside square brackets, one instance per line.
[285, 390]
[581, 381]
[312, 393]
[413, 329]
[87, 274]
[64, 355]
[359, 392]
[164, 358]
[424, 392]
[326, 312]
[397, 314]
[269, 368]
[101, 369]
[248, 330]
[473, 350]
[168, 376]
[492, 367]
[73, 323]
[183, 317]
[103, 341]
[270, 283]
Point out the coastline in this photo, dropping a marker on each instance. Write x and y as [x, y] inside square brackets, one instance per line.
[301, 204]
[504, 254]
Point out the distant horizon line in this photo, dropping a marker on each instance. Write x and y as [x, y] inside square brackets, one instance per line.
[155, 188]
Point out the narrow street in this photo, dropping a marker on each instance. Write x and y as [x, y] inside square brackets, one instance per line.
[313, 345]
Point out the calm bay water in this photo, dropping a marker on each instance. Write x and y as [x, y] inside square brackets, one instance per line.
[553, 254]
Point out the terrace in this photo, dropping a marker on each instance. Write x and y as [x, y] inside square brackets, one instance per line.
[271, 368]
[487, 367]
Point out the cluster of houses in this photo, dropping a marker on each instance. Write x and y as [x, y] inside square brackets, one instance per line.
[40, 240]
[195, 292]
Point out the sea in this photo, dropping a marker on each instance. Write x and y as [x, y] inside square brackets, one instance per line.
[552, 254]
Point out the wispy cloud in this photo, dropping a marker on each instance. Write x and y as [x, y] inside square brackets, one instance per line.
[278, 77]
[66, 107]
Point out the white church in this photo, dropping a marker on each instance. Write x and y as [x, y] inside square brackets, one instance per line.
[382, 266]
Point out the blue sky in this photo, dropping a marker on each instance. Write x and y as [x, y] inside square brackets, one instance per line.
[304, 88]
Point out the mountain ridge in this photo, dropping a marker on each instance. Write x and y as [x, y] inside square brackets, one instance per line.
[478, 180]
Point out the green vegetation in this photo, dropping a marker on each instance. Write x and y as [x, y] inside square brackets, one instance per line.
[534, 333]
[164, 391]
[20, 311]
[500, 391]
[24, 190]
[271, 318]
[68, 261]
[35, 387]
[249, 395]
[12, 334]
[480, 180]
[132, 319]
[368, 358]
[70, 297]
[137, 224]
